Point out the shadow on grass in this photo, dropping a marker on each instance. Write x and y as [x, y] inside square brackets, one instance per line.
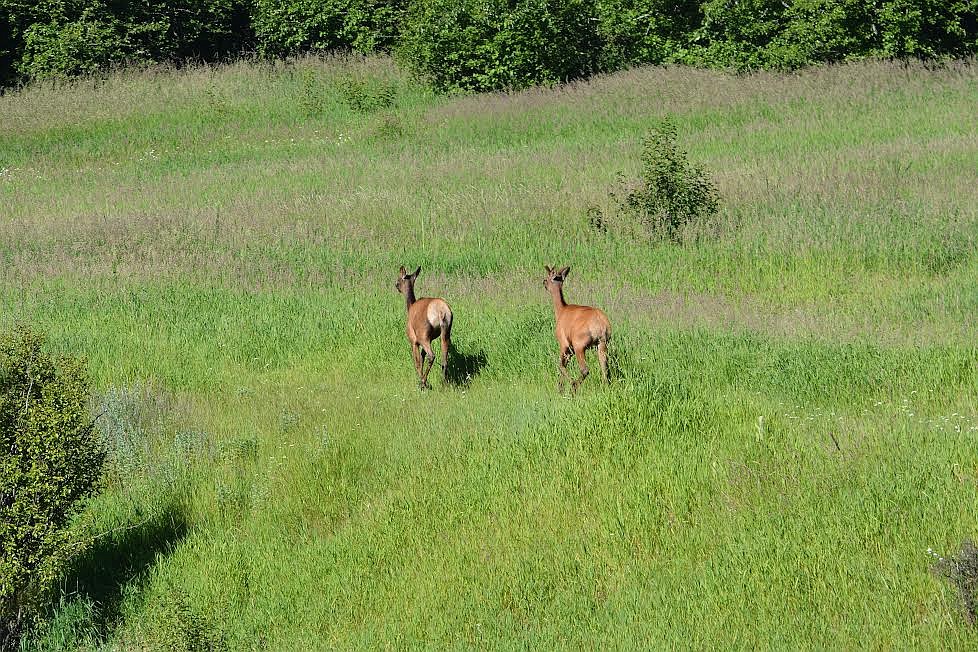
[103, 572]
[463, 367]
[623, 364]
[961, 570]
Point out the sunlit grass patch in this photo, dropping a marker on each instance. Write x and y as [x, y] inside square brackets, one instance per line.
[790, 423]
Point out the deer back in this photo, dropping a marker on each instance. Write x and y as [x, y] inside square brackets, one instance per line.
[583, 323]
[429, 315]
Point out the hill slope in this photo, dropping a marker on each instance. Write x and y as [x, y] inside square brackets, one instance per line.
[791, 427]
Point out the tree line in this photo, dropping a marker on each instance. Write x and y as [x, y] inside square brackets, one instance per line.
[475, 45]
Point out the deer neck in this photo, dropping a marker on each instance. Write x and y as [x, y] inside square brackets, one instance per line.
[557, 292]
[409, 297]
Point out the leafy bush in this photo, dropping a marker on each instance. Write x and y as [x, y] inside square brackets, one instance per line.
[479, 45]
[52, 38]
[367, 94]
[645, 31]
[16, 18]
[291, 26]
[736, 34]
[50, 462]
[751, 34]
[771, 34]
[77, 47]
[144, 512]
[359, 92]
[926, 28]
[673, 194]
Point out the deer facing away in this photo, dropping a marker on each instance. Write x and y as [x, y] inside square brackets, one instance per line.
[427, 318]
[579, 328]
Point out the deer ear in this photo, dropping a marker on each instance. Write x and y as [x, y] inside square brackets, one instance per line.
[416, 272]
[550, 270]
[563, 273]
[403, 271]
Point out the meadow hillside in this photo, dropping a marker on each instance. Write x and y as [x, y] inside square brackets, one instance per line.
[791, 426]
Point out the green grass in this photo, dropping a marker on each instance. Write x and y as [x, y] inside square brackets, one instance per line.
[791, 425]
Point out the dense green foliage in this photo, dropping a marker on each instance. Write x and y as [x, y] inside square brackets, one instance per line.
[483, 44]
[750, 34]
[478, 45]
[56, 38]
[791, 427]
[645, 31]
[50, 461]
[285, 27]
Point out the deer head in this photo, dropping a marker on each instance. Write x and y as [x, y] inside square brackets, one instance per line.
[405, 281]
[554, 278]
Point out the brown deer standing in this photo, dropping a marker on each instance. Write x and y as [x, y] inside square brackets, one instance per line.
[427, 318]
[579, 328]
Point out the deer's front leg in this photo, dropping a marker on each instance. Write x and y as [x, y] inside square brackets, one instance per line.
[416, 356]
[563, 376]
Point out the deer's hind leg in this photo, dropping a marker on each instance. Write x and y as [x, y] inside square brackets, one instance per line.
[426, 352]
[444, 356]
[603, 358]
[582, 363]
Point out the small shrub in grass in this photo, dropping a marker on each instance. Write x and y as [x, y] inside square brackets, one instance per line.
[366, 95]
[174, 625]
[962, 571]
[131, 423]
[50, 461]
[390, 127]
[143, 442]
[311, 96]
[673, 196]
[359, 93]
[596, 219]
[121, 426]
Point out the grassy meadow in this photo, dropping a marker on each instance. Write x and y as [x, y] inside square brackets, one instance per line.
[791, 425]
